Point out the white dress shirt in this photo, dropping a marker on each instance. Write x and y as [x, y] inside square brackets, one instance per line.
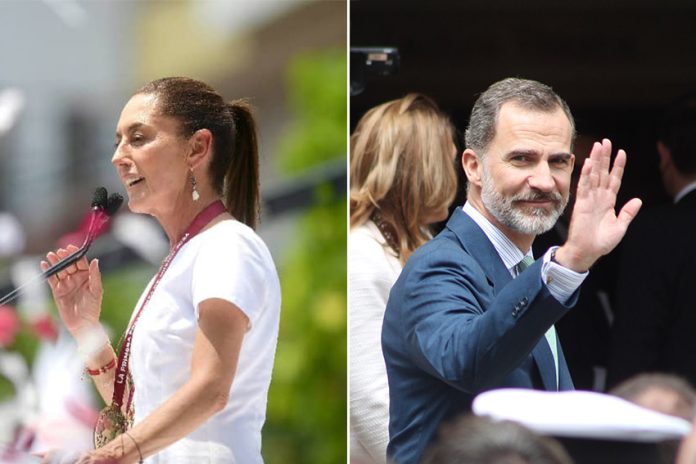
[685, 191]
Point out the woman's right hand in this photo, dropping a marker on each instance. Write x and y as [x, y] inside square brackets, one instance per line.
[77, 291]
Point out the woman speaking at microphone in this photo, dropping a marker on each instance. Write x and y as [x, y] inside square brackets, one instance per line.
[189, 381]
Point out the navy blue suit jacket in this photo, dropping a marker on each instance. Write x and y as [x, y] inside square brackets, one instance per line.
[457, 324]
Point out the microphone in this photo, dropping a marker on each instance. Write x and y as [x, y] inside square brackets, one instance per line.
[102, 210]
[103, 207]
[99, 198]
[113, 203]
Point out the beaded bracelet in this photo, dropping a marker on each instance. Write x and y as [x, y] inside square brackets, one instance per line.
[106, 367]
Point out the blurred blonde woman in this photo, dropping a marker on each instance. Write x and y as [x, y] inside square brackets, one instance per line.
[402, 179]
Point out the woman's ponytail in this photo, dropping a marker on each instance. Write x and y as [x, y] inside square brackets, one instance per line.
[241, 183]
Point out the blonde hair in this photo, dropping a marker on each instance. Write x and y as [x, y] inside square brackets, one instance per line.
[401, 163]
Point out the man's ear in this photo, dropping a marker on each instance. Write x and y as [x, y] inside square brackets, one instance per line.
[665, 155]
[200, 148]
[473, 166]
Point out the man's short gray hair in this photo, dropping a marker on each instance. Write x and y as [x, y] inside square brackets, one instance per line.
[528, 94]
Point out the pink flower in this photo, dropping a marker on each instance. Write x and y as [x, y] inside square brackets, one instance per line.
[45, 328]
[9, 325]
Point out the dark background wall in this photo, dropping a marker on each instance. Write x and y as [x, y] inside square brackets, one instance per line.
[616, 63]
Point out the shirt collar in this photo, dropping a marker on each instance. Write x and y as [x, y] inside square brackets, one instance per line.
[508, 251]
[685, 191]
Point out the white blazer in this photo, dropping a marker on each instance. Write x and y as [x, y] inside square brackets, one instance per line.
[372, 270]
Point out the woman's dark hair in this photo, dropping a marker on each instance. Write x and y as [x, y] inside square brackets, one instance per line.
[234, 168]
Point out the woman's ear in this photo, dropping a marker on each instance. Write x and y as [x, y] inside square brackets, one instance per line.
[200, 148]
[472, 165]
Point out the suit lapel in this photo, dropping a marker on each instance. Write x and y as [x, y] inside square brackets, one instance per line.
[477, 244]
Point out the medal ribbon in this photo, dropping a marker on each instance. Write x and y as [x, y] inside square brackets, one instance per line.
[121, 375]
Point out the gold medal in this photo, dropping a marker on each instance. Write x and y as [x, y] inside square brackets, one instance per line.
[110, 424]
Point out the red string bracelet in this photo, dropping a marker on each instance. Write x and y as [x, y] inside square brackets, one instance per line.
[106, 367]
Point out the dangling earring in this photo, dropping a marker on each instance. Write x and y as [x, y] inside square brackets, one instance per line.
[194, 193]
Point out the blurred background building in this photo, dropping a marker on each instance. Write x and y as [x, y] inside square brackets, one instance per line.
[67, 67]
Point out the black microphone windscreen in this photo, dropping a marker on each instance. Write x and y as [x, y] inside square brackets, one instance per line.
[99, 199]
[113, 203]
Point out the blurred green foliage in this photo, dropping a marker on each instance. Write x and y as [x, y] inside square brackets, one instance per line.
[122, 289]
[317, 86]
[26, 344]
[7, 390]
[306, 420]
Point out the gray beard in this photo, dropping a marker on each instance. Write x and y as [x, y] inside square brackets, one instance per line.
[531, 221]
